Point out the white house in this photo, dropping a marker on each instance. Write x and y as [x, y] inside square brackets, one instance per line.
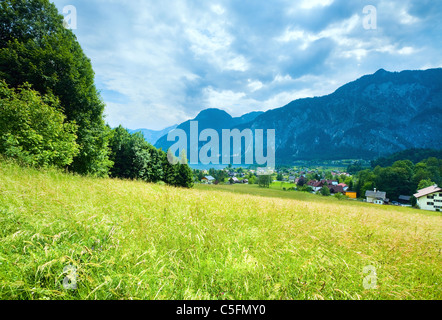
[208, 180]
[430, 198]
[376, 197]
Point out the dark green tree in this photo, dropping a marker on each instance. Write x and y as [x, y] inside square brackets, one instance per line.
[121, 153]
[169, 162]
[183, 172]
[134, 157]
[36, 48]
[264, 180]
[365, 180]
[393, 180]
[425, 184]
[325, 191]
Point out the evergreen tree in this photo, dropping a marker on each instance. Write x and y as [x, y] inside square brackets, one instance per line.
[183, 176]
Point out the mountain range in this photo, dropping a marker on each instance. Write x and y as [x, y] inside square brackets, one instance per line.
[152, 136]
[375, 115]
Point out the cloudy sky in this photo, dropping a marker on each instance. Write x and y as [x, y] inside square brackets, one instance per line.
[159, 63]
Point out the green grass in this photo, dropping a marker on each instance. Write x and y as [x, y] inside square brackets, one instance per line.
[275, 191]
[132, 240]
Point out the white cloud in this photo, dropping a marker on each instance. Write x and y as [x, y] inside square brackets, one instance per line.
[406, 18]
[218, 9]
[406, 50]
[310, 4]
[255, 85]
[160, 65]
[279, 78]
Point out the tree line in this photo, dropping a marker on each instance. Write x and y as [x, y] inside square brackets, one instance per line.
[402, 178]
[51, 113]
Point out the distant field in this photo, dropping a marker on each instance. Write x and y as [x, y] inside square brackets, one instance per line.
[276, 191]
[132, 240]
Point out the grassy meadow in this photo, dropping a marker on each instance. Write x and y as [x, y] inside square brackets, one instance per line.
[132, 240]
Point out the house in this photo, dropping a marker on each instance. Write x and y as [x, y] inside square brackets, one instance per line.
[377, 197]
[430, 198]
[404, 200]
[332, 182]
[245, 181]
[208, 179]
[344, 186]
[292, 179]
[335, 189]
[316, 185]
[234, 180]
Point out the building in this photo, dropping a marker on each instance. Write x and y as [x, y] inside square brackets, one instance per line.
[404, 200]
[208, 180]
[344, 186]
[430, 198]
[316, 185]
[351, 194]
[335, 189]
[376, 197]
[234, 180]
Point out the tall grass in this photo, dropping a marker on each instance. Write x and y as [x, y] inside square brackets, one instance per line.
[132, 240]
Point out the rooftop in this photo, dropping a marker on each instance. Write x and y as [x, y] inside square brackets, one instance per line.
[427, 191]
[376, 194]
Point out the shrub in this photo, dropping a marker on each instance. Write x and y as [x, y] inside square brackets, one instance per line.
[33, 128]
[325, 191]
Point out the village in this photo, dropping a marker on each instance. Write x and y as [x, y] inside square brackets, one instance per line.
[322, 182]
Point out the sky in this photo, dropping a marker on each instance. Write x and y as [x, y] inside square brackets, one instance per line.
[160, 63]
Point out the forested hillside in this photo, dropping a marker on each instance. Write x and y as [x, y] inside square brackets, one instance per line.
[51, 113]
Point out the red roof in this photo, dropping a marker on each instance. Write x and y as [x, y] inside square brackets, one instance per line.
[316, 184]
[336, 189]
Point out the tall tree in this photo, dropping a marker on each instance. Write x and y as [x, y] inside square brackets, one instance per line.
[36, 48]
[184, 177]
[264, 180]
[134, 157]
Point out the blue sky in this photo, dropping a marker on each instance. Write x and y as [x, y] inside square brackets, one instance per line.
[159, 63]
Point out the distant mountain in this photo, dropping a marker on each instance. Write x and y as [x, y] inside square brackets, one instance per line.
[211, 119]
[152, 136]
[376, 115]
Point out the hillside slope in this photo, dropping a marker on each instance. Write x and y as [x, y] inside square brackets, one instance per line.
[131, 240]
[375, 115]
